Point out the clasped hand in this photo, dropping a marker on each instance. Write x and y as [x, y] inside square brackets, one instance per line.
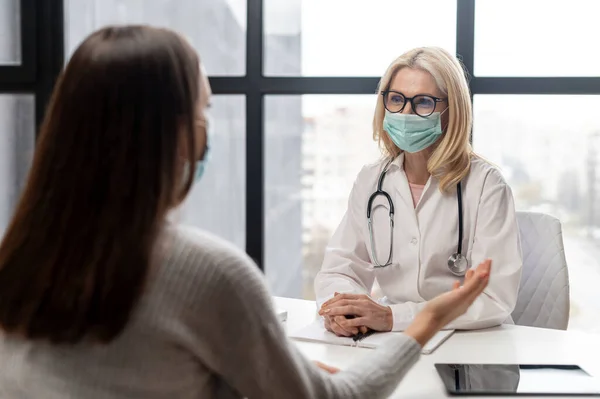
[347, 314]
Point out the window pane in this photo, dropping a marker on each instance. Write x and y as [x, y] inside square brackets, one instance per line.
[217, 202]
[315, 147]
[552, 163]
[10, 32]
[342, 38]
[17, 124]
[216, 28]
[536, 38]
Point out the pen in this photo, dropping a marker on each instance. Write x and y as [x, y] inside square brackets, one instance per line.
[360, 336]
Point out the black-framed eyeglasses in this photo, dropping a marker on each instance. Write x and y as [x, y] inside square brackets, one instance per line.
[421, 104]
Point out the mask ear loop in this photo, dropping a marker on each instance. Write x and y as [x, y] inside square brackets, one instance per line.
[444, 128]
[206, 124]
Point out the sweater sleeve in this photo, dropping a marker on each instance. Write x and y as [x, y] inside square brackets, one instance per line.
[237, 335]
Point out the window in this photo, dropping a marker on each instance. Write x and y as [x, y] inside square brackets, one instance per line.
[536, 38]
[10, 32]
[17, 124]
[27, 72]
[341, 38]
[217, 202]
[216, 28]
[552, 163]
[321, 141]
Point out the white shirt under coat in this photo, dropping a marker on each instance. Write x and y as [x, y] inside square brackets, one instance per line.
[424, 237]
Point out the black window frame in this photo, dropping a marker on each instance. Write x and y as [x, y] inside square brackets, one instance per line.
[42, 40]
[42, 53]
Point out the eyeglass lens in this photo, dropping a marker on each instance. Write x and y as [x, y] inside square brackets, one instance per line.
[422, 105]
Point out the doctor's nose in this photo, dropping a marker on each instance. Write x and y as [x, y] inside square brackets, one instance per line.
[407, 108]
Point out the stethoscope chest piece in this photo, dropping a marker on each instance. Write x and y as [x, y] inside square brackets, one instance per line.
[458, 264]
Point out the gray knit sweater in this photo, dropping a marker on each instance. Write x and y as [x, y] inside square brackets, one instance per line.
[204, 328]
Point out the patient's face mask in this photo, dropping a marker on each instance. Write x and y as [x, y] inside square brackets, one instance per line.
[201, 163]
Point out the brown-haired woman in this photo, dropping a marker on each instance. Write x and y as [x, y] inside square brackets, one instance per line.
[102, 297]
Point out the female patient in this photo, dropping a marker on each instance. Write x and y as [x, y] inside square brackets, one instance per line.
[101, 297]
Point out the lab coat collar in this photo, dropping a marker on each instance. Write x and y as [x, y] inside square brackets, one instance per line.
[398, 161]
[402, 187]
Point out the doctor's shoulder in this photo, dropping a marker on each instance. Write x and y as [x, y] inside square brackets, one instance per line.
[369, 173]
[485, 174]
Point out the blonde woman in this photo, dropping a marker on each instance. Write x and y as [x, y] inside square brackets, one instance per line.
[425, 214]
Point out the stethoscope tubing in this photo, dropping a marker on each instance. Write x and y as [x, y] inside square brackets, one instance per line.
[453, 260]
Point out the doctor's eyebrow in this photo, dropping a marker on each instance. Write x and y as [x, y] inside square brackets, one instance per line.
[418, 94]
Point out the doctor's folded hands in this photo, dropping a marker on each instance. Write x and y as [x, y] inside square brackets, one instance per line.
[368, 314]
[427, 212]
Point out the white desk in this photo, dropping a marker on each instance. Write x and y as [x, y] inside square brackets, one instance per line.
[505, 344]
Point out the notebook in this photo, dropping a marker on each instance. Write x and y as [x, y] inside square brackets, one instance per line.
[316, 332]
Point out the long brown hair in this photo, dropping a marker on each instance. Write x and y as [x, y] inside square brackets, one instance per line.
[105, 173]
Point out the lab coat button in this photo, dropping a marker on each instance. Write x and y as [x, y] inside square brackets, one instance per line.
[413, 241]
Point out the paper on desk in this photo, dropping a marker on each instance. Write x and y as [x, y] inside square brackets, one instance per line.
[316, 332]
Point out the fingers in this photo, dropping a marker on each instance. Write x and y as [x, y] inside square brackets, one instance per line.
[358, 303]
[484, 267]
[339, 297]
[343, 310]
[482, 270]
[340, 320]
[335, 325]
[338, 330]
[456, 285]
[358, 322]
[329, 369]
[339, 327]
[469, 275]
[332, 300]
[476, 284]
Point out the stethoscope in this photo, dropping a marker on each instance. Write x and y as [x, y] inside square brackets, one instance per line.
[457, 263]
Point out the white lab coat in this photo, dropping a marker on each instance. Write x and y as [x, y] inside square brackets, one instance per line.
[424, 238]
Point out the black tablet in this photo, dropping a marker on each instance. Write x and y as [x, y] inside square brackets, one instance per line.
[517, 380]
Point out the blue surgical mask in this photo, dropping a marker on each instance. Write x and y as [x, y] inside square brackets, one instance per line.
[201, 163]
[413, 133]
[201, 166]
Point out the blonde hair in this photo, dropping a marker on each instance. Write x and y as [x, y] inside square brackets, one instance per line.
[451, 159]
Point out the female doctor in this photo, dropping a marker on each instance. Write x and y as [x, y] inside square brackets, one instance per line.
[426, 213]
